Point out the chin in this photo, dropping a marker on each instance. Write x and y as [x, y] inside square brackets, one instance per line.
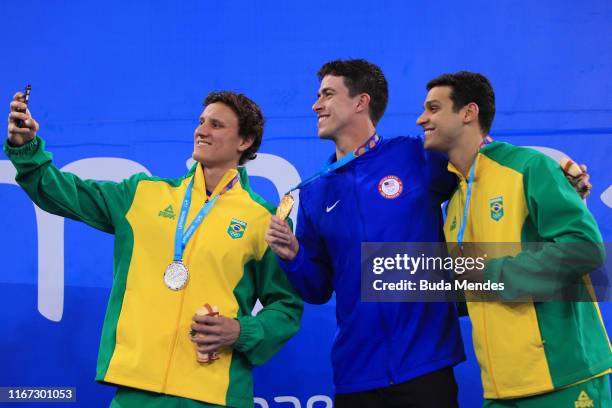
[430, 145]
[325, 135]
[197, 156]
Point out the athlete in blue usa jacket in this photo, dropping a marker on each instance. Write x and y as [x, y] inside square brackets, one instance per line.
[377, 343]
[390, 192]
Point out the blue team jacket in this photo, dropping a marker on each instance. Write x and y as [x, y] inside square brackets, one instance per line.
[376, 344]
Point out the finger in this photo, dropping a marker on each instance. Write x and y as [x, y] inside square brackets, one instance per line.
[584, 180]
[31, 124]
[209, 348]
[18, 106]
[278, 247]
[207, 341]
[279, 225]
[278, 235]
[14, 129]
[278, 242]
[205, 319]
[274, 231]
[19, 96]
[27, 125]
[197, 338]
[276, 226]
[573, 180]
[286, 229]
[206, 329]
[15, 115]
[584, 187]
[198, 328]
[583, 167]
[275, 221]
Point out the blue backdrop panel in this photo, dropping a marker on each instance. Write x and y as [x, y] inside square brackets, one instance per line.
[125, 80]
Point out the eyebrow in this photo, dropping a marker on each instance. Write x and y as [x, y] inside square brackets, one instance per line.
[325, 90]
[431, 102]
[212, 119]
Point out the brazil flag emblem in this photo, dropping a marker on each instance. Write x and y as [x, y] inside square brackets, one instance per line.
[497, 207]
[236, 228]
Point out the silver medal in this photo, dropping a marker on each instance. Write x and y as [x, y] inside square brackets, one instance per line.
[176, 275]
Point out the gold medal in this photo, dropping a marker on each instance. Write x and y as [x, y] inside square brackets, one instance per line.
[284, 207]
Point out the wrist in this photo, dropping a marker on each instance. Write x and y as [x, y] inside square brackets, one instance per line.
[21, 150]
[13, 143]
[295, 248]
[236, 335]
[289, 257]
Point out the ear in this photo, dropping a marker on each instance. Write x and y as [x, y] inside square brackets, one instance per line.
[363, 103]
[246, 143]
[470, 113]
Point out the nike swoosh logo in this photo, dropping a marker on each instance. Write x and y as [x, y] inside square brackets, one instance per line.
[328, 209]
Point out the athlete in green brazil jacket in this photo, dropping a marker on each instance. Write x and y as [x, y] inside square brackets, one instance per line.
[146, 343]
[531, 353]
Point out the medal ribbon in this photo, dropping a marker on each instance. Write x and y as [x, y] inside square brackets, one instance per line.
[470, 182]
[180, 239]
[371, 143]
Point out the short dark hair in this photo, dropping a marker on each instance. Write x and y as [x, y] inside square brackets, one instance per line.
[468, 87]
[250, 119]
[361, 76]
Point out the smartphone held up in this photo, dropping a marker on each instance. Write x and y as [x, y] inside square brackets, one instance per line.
[26, 98]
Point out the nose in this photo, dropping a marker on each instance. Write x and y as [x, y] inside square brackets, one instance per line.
[317, 105]
[422, 119]
[202, 129]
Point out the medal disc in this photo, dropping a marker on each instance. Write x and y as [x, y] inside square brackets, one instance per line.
[176, 276]
[285, 206]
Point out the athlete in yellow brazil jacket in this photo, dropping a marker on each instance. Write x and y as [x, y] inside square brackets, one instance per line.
[534, 349]
[146, 342]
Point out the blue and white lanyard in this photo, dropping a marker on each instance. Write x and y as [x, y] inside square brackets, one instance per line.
[468, 196]
[180, 239]
[371, 143]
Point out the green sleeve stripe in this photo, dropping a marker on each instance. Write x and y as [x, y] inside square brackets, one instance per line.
[266, 333]
[240, 376]
[123, 256]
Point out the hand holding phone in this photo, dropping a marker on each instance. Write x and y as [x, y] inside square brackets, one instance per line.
[26, 98]
[22, 127]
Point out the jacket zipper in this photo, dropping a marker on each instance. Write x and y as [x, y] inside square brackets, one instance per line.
[379, 307]
[174, 341]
